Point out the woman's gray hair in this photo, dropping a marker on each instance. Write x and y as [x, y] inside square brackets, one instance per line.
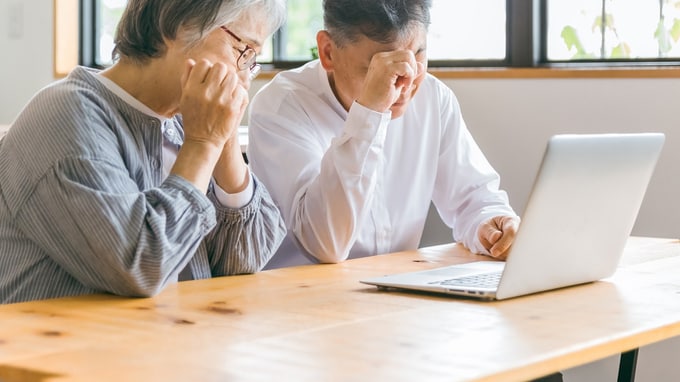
[146, 23]
[382, 21]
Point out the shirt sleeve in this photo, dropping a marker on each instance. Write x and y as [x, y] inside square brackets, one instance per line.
[237, 200]
[467, 188]
[245, 238]
[99, 227]
[325, 193]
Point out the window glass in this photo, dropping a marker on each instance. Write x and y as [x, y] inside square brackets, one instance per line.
[464, 31]
[108, 14]
[460, 30]
[298, 36]
[467, 30]
[612, 29]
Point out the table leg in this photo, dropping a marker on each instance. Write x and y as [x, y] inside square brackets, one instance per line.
[627, 366]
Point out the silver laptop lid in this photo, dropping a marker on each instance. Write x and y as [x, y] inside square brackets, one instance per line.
[581, 210]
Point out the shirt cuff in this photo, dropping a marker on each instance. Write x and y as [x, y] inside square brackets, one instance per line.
[367, 124]
[237, 200]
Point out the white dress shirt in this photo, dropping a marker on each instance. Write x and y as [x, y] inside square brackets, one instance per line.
[357, 183]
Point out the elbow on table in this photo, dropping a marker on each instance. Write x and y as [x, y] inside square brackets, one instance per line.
[329, 250]
[249, 269]
[331, 256]
[142, 287]
[142, 292]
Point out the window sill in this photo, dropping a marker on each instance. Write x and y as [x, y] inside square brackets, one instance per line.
[518, 73]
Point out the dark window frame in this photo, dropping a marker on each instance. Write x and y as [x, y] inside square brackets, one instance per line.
[526, 45]
[583, 63]
[87, 33]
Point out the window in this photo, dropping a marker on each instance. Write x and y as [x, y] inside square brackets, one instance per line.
[515, 33]
[613, 30]
[295, 42]
[108, 12]
[467, 30]
[462, 31]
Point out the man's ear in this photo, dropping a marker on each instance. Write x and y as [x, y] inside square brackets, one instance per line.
[325, 46]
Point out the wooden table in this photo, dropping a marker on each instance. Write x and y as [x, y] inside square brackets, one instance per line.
[318, 323]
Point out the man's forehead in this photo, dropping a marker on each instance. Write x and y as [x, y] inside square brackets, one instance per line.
[414, 42]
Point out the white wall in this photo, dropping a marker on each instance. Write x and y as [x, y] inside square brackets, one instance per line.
[510, 118]
[26, 59]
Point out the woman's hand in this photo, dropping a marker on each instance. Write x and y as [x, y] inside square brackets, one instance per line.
[213, 102]
[212, 105]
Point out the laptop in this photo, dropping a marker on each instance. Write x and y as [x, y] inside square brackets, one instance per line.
[581, 210]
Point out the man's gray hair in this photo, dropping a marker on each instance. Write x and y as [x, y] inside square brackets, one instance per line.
[383, 21]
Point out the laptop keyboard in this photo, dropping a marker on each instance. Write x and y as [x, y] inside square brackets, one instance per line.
[483, 280]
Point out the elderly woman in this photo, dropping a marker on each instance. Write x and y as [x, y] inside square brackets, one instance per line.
[125, 180]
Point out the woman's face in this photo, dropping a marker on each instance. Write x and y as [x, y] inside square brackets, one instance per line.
[223, 45]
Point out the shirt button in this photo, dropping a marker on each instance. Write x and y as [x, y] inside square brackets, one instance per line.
[156, 164]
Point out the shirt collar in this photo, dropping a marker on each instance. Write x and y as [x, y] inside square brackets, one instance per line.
[129, 99]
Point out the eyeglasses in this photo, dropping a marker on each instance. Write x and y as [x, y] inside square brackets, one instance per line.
[246, 61]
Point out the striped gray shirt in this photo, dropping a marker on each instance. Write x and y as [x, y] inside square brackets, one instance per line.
[84, 207]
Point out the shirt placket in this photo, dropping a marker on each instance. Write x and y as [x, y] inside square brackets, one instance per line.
[380, 213]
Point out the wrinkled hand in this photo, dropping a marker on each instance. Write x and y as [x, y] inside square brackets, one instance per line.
[497, 235]
[389, 75]
[213, 102]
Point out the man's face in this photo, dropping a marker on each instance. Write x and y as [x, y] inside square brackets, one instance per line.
[351, 62]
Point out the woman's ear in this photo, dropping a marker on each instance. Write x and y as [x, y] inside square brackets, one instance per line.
[325, 46]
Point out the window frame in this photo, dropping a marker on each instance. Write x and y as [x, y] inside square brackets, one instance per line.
[593, 63]
[526, 44]
[88, 32]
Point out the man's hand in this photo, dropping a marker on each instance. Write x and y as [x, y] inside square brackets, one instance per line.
[389, 75]
[497, 235]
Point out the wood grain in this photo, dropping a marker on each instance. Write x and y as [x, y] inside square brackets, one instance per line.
[318, 323]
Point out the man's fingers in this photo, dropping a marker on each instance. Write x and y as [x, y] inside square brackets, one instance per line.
[420, 68]
[489, 234]
[509, 226]
[494, 235]
[497, 235]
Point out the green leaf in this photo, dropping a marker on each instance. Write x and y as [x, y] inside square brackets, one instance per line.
[570, 37]
[609, 21]
[597, 24]
[663, 38]
[583, 55]
[675, 30]
[621, 51]
[573, 42]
